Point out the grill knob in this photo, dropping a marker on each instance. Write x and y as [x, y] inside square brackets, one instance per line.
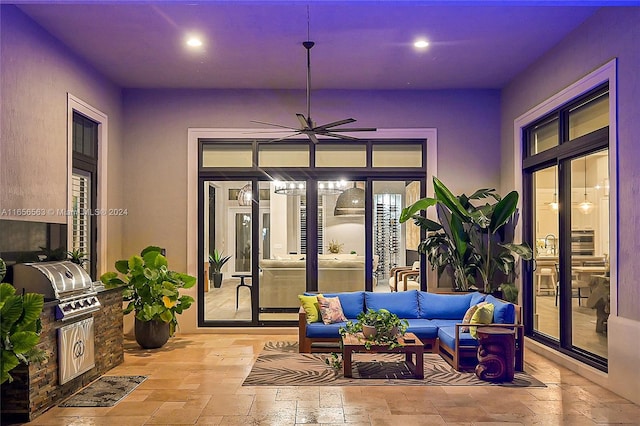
[67, 307]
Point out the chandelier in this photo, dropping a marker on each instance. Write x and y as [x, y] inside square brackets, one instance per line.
[244, 195]
[299, 188]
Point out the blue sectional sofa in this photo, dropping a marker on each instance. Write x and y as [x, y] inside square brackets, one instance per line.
[436, 319]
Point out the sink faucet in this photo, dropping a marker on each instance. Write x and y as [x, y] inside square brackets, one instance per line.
[546, 243]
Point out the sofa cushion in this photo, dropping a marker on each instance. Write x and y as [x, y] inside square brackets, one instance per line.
[352, 302]
[444, 306]
[311, 307]
[319, 329]
[445, 322]
[477, 297]
[482, 315]
[404, 304]
[422, 328]
[447, 336]
[331, 310]
[503, 312]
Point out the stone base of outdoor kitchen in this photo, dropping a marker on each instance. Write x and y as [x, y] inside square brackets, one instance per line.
[35, 388]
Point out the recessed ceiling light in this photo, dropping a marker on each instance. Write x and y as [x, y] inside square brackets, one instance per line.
[421, 44]
[194, 42]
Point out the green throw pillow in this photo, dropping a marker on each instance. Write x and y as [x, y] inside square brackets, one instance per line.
[482, 315]
[311, 307]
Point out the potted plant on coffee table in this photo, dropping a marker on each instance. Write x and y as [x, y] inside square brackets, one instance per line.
[217, 261]
[378, 327]
[153, 293]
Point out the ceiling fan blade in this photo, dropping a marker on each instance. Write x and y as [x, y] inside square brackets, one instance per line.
[336, 123]
[312, 137]
[274, 125]
[284, 137]
[303, 121]
[337, 136]
[355, 129]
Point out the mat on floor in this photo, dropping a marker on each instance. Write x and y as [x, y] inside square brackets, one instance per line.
[280, 364]
[104, 392]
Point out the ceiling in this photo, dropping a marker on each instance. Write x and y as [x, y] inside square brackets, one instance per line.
[359, 44]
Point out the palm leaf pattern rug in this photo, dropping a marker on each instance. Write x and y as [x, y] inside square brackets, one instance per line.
[280, 364]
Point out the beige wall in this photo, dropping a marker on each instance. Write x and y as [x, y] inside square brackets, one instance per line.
[610, 33]
[36, 73]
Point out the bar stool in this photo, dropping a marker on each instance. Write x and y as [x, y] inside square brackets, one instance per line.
[550, 274]
[242, 284]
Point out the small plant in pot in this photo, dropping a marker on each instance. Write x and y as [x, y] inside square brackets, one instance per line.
[379, 327]
[217, 261]
[153, 293]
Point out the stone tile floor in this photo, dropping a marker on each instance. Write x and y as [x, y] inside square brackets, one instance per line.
[197, 379]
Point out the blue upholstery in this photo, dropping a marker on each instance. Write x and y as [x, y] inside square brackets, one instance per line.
[446, 322]
[404, 303]
[444, 306]
[447, 336]
[503, 313]
[319, 329]
[423, 328]
[477, 297]
[352, 302]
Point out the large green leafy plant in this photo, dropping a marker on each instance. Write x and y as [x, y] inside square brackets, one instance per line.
[20, 327]
[152, 290]
[473, 240]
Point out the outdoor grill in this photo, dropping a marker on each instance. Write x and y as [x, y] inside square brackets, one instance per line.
[71, 286]
[64, 281]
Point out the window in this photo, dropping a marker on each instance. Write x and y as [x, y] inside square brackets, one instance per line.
[84, 189]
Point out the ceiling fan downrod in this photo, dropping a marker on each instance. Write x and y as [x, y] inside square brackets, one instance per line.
[308, 45]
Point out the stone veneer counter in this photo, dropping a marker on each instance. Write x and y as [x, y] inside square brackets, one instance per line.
[35, 388]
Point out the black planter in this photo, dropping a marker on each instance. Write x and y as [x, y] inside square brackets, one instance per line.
[151, 334]
[217, 279]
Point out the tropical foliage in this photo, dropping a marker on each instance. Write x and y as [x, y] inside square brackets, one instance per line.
[20, 327]
[472, 241]
[383, 321]
[217, 260]
[152, 290]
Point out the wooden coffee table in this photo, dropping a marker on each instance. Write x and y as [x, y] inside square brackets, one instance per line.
[355, 343]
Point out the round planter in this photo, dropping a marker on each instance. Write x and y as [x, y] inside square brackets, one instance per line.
[370, 332]
[151, 334]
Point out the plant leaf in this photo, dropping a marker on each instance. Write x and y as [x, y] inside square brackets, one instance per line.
[422, 204]
[503, 211]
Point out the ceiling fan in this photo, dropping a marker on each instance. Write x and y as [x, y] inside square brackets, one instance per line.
[308, 127]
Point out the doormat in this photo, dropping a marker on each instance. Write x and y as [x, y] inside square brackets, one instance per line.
[280, 364]
[107, 391]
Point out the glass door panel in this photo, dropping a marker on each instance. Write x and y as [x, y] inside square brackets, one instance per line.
[282, 263]
[227, 228]
[590, 252]
[341, 257]
[546, 254]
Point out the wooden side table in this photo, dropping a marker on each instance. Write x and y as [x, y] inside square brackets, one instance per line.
[496, 354]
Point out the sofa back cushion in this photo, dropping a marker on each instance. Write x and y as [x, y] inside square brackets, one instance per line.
[477, 297]
[352, 302]
[503, 312]
[444, 306]
[404, 303]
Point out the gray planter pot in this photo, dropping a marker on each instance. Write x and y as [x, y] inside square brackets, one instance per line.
[151, 334]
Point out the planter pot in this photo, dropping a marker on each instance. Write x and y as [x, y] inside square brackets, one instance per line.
[217, 279]
[151, 334]
[370, 332]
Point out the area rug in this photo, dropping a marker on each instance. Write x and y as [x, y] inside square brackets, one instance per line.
[280, 364]
[104, 392]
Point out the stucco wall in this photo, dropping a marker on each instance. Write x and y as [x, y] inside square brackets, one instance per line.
[610, 33]
[156, 123]
[36, 73]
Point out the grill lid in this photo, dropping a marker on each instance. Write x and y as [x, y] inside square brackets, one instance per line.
[56, 280]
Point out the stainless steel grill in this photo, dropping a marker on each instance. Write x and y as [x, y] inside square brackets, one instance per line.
[64, 281]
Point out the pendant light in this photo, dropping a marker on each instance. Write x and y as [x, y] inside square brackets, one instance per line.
[585, 206]
[244, 195]
[350, 202]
